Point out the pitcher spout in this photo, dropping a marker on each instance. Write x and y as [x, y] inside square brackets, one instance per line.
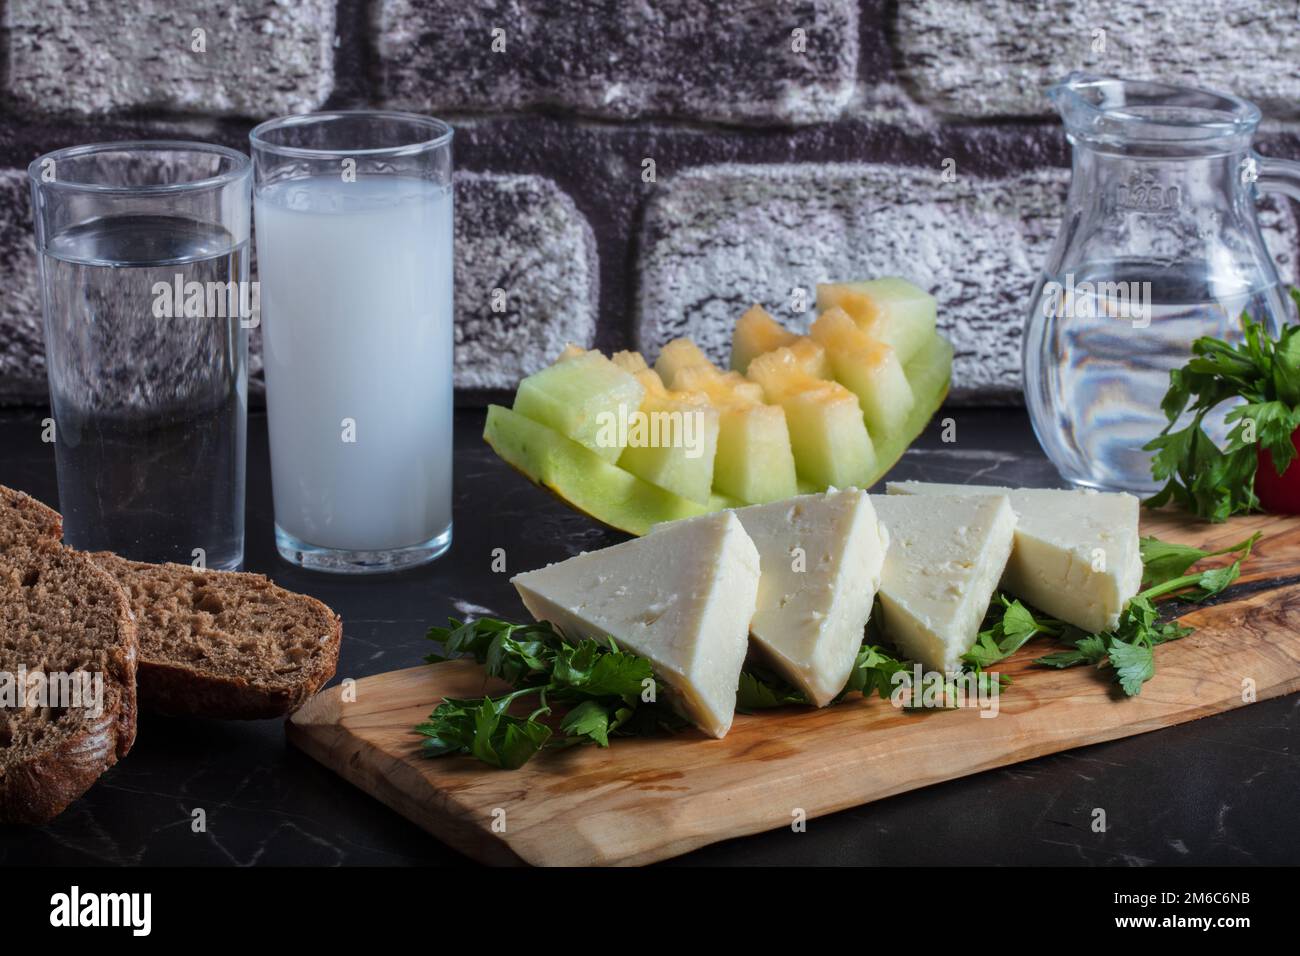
[1078, 97]
[1108, 110]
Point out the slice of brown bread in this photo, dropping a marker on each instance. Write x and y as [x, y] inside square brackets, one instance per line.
[25, 521]
[60, 614]
[225, 643]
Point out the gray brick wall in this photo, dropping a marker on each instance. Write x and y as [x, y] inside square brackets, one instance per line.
[243, 58]
[736, 63]
[993, 58]
[792, 141]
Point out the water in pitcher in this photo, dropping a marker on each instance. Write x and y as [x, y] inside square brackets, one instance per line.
[1096, 367]
[149, 409]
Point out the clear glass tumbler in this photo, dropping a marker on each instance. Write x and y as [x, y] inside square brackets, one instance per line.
[354, 246]
[143, 251]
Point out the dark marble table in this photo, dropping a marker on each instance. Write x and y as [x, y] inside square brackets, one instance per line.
[1219, 790]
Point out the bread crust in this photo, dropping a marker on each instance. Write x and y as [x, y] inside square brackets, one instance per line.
[187, 692]
[177, 689]
[39, 787]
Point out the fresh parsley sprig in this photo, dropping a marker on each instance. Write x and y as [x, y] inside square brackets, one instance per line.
[1010, 626]
[1165, 563]
[1128, 649]
[1216, 483]
[602, 686]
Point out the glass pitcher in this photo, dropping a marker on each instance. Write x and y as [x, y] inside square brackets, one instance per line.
[1159, 244]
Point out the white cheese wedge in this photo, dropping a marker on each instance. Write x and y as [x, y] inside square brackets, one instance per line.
[821, 558]
[682, 598]
[946, 555]
[1077, 554]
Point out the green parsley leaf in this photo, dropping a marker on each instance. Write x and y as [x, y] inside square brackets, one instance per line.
[873, 672]
[1263, 376]
[1010, 625]
[1134, 664]
[589, 719]
[603, 684]
[1165, 560]
[590, 669]
[760, 689]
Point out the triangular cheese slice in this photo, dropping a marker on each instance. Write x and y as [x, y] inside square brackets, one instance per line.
[945, 557]
[682, 598]
[1077, 555]
[821, 558]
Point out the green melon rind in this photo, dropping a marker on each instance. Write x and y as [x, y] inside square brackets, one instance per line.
[583, 479]
[586, 481]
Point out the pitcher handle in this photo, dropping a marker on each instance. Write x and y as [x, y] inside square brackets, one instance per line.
[1274, 175]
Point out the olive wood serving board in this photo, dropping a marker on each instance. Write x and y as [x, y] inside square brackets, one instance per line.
[648, 799]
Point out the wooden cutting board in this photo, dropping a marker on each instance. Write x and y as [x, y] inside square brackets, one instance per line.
[648, 799]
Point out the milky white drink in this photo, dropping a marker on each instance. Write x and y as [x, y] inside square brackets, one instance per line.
[356, 293]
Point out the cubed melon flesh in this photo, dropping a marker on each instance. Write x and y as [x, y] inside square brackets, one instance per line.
[811, 357]
[755, 462]
[890, 310]
[718, 385]
[678, 355]
[580, 397]
[827, 432]
[756, 332]
[673, 441]
[630, 362]
[867, 368]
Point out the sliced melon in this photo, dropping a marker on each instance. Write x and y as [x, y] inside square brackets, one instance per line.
[890, 310]
[827, 431]
[929, 374]
[811, 357]
[754, 462]
[867, 368]
[683, 365]
[673, 439]
[677, 356]
[630, 362]
[757, 332]
[718, 385]
[621, 500]
[581, 397]
[583, 478]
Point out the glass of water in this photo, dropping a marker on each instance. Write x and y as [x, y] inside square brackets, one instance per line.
[143, 251]
[354, 248]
